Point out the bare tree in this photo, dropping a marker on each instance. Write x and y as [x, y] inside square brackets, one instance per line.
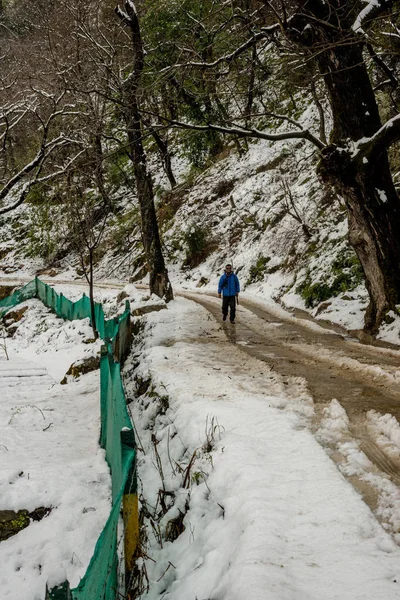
[47, 113]
[159, 280]
[86, 231]
[291, 206]
[112, 120]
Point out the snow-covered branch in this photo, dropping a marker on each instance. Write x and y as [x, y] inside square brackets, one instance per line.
[45, 150]
[385, 137]
[48, 110]
[250, 132]
[367, 15]
[26, 169]
[130, 15]
[26, 187]
[227, 58]
[21, 199]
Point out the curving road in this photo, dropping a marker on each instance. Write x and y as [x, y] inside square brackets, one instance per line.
[331, 363]
[361, 377]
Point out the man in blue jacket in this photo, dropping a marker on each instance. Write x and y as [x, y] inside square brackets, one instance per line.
[230, 288]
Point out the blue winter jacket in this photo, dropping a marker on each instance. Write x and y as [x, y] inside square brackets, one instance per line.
[229, 285]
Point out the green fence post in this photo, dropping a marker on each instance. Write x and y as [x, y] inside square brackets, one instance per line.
[130, 510]
[59, 592]
[116, 341]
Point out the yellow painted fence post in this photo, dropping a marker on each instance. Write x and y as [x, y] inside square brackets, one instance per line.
[130, 512]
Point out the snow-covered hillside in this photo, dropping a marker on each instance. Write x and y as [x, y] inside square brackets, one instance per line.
[266, 212]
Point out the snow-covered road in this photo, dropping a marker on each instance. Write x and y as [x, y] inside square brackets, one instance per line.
[270, 514]
[275, 518]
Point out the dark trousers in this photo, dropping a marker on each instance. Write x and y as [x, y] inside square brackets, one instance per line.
[229, 302]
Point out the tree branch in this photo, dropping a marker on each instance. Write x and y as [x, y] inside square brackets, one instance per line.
[249, 132]
[385, 137]
[369, 13]
[28, 185]
[227, 58]
[383, 66]
[11, 183]
[24, 192]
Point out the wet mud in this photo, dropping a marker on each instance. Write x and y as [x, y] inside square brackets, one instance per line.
[334, 365]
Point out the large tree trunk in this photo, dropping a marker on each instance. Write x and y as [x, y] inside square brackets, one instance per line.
[159, 281]
[365, 182]
[373, 210]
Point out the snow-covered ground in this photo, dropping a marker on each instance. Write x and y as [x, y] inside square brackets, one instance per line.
[244, 502]
[267, 513]
[49, 453]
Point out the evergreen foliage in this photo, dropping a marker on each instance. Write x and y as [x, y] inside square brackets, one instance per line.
[199, 244]
[344, 274]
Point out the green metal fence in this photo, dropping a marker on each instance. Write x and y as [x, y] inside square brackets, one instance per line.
[116, 436]
[25, 293]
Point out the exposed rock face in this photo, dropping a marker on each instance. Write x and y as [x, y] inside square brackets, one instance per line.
[121, 296]
[202, 281]
[81, 367]
[143, 310]
[6, 290]
[12, 522]
[12, 319]
[48, 272]
[323, 306]
[14, 316]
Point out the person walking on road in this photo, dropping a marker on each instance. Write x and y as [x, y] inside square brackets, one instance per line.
[229, 287]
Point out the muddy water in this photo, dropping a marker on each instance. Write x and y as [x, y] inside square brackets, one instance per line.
[360, 377]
